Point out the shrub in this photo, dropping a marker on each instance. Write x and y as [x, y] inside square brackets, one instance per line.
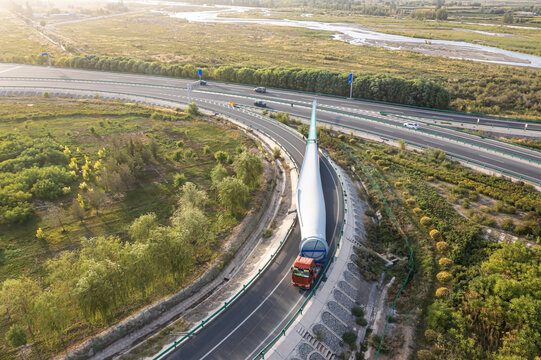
[46, 94]
[276, 153]
[441, 292]
[410, 201]
[267, 233]
[206, 150]
[398, 184]
[405, 193]
[431, 336]
[417, 211]
[426, 221]
[424, 354]
[357, 311]
[189, 154]
[444, 276]
[352, 141]
[221, 156]
[361, 321]
[341, 136]
[180, 143]
[508, 225]
[179, 180]
[445, 262]
[193, 109]
[441, 246]
[178, 155]
[349, 338]
[16, 336]
[402, 144]
[435, 234]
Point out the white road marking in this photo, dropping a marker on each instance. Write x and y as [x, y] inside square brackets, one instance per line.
[251, 356]
[500, 161]
[13, 68]
[242, 323]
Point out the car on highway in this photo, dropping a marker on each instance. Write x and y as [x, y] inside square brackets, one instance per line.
[260, 103]
[202, 82]
[260, 89]
[412, 125]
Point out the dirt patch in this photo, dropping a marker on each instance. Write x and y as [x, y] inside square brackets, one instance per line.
[456, 52]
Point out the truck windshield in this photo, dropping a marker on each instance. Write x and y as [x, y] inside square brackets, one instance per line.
[305, 273]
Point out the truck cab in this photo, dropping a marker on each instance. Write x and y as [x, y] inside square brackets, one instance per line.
[304, 272]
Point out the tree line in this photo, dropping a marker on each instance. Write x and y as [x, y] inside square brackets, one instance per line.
[378, 87]
[111, 273]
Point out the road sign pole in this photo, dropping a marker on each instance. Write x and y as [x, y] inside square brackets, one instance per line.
[350, 82]
[189, 88]
[49, 57]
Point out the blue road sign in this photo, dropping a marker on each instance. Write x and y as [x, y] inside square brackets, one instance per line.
[350, 78]
[199, 72]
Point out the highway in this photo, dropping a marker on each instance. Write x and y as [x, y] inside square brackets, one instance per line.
[334, 110]
[258, 315]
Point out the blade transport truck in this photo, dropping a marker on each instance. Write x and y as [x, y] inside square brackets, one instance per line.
[313, 247]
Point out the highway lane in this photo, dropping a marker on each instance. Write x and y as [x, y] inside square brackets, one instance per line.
[258, 315]
[287, 95]
[496, 161]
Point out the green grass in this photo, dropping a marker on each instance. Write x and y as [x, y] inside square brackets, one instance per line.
[24, 255]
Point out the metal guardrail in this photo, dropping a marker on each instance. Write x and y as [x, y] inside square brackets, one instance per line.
[405, 116]
[467, 132]
[391, 216]
[429, 133]
[293, 90]
[261, 354]
[324, 108]
[227, 303]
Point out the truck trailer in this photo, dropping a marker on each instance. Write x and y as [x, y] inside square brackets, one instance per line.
[313, 247]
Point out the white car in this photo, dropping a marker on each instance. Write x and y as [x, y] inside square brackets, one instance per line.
[412, 125]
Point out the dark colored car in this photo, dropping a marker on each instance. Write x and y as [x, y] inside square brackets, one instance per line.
[260, 103]
[202, 82]
[260, 89]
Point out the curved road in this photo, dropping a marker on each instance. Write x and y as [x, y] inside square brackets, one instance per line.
[255, 317]
[352, 113]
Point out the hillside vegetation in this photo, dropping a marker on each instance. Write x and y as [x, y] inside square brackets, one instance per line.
[474, 292]
[107, 207]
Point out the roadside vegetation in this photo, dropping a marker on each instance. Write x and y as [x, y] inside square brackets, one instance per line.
[475, 241]
[107, 207]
